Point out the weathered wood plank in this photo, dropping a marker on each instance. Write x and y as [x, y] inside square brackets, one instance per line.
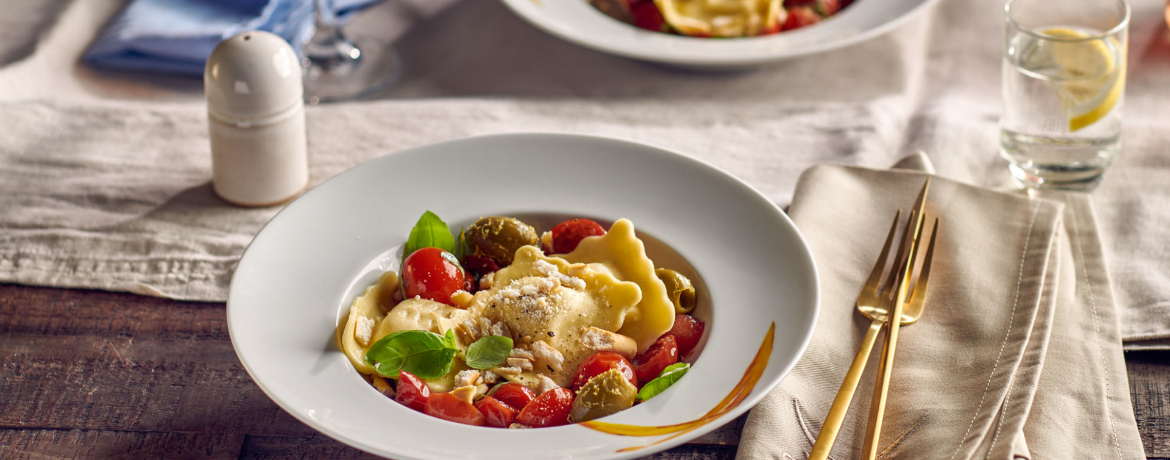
[1149, 387]
[319, 446]
[127, 384]
[70, 312]
[52, 444]
[90, 364]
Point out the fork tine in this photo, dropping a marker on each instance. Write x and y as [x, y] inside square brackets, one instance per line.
[875, 276]
[912, 228]
[919, 295]
[891, 283]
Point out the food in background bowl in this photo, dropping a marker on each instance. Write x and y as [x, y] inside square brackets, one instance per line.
[720, 18]
[506, 328]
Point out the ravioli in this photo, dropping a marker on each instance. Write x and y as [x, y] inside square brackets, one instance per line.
[548, 299]
[723, 18]
[364, 313]
[622, 254]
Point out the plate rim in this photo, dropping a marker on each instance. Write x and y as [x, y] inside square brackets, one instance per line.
[714, 60]
[760, 391]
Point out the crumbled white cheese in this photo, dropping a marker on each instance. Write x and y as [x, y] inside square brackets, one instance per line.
[364, 328]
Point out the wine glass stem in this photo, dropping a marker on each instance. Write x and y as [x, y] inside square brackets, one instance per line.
[329, 49]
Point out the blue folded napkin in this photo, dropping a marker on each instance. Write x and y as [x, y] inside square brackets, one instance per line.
[177, 36]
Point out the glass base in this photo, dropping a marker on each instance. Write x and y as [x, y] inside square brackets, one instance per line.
[1057, 162]
[1081, 181]
[358, 68]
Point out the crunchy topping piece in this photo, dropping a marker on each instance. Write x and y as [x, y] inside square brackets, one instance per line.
[501, 329]
[466, 377]
[546, 241]
[485, 282]
[598, 339]
[490, 378]
[545, 384]
[466, 393]
[518, 426]
[523, 364]
[508, 371]
[521, 353]
[363, 330]
[548, 356]
[461, 299]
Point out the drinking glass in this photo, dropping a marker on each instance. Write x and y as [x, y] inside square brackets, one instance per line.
[1063, 90]
[338, 68]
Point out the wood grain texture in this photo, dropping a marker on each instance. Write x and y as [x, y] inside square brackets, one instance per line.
[1149, 387]
[89, 374]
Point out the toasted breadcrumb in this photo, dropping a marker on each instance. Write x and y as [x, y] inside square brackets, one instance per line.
[461, 299]
[546, 355]
[523, 364]
[466, 377]
[545, 383]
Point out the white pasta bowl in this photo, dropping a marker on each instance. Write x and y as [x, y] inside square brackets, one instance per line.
[578, 22]
[759, 290]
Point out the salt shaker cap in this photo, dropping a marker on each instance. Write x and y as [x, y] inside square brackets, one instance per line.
[252, 75]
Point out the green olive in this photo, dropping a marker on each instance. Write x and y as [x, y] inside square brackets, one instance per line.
[678, 288]
[498, 238]
[605, 394]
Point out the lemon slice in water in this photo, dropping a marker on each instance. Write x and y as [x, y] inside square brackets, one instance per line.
[1091, 77]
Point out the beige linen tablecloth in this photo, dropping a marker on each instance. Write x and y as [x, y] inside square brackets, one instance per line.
[104, 176]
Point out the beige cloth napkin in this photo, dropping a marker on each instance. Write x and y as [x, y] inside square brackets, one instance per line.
[1017, 355]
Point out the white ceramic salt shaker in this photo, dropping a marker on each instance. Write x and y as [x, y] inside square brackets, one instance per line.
[257, 120]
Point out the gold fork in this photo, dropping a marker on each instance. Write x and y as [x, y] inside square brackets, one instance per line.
[914, 303]
[874, 303]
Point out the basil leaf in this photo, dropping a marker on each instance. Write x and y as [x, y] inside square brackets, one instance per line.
[429, 232]
[425, 354]
[664, 380]
[488, 352]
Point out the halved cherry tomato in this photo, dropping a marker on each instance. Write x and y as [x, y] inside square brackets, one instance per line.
[432, 273]
[549, 409]
[686, 331]
[566, 235]
[497, 413]
[647, 16]
[663, 353]
[601, 362]
[412, 392]
[800, 16]
[515, 395]
[449, 407]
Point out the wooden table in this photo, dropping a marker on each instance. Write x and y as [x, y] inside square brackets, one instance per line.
[90, 374]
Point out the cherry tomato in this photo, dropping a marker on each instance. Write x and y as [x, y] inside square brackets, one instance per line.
[800, 16]
[686, 331]
[515, 395]
[412, 392]
[549, 409]
[647, 16]
[432, 273]
[497, 413]
[601, 362]
[663, 353]
[449, 407]
[566, 235]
